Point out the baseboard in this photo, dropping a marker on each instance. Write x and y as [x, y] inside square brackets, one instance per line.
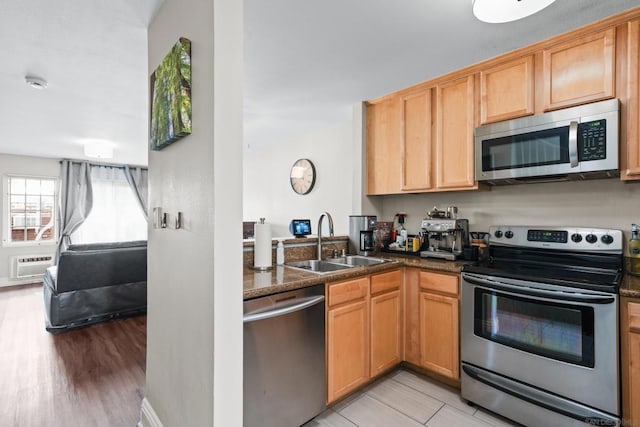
[5, 281]
[148, 417]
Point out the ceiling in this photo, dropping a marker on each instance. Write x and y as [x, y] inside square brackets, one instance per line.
[306, 63]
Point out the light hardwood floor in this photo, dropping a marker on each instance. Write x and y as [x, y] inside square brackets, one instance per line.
[92, 376]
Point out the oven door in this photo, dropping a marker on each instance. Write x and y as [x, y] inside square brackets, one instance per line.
[561, 340]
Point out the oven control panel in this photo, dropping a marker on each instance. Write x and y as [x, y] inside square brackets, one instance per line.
[551, 237]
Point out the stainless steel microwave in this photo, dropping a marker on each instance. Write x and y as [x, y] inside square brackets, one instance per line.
[572, 143]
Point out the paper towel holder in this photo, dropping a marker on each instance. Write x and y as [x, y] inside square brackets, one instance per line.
[265, 267]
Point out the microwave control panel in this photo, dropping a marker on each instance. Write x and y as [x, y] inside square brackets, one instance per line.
[592, 143]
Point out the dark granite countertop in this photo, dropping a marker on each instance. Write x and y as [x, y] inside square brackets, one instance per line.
[630, 286]
[280, 278]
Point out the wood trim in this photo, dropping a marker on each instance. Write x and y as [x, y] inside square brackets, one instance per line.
[384, 282]
[412, 315]
[438, 282]
[350, 290]
[630, 146]
[148, 416]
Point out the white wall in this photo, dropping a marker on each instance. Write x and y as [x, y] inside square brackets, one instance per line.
[267, 189]
[607, 203]
[194, 323]
[23, 165]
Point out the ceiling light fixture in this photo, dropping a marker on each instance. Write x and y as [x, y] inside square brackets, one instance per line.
[98, 149]
[500, 11]
[36, 82]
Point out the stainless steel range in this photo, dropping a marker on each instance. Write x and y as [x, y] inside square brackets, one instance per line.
[539, 333]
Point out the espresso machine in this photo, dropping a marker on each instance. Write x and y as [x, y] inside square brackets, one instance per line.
[362, 232]
[446, 234]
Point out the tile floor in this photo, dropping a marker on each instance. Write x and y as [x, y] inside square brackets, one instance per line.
[404, 398]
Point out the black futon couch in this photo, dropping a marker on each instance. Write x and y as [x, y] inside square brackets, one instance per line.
[94, 283]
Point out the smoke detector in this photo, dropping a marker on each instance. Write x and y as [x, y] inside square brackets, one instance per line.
[35, 82]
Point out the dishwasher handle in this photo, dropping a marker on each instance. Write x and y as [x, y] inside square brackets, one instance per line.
[300, 304]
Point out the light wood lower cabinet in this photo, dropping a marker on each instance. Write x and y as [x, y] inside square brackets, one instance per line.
[439, 324]
[386, 331]
[439, 334]
[364, 332]
[347, 348]
[630, 334]
[431, 318]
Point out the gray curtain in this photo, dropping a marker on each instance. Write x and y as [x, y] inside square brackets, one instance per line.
[76, 200]
[138, 179]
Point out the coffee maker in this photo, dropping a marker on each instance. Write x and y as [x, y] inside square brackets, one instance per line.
[362, 232]
[446, 235]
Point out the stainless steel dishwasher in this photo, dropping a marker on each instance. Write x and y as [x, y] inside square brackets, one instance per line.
[284, 358]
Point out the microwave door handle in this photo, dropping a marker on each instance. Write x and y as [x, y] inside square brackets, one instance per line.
[573, 144]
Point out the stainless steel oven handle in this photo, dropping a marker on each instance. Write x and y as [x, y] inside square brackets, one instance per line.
[573, 144]
[537, 292]
[540, 398]
[300, 304]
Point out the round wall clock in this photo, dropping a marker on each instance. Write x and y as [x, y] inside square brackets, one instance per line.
[303, 176]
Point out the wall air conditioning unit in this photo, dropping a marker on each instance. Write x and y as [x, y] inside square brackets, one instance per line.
[29, 266]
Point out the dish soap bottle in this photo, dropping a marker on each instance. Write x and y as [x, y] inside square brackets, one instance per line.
[280, 253]
[634, 250]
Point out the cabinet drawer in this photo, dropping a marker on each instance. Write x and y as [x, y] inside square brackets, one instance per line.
[439, 283]
[386, 281]
[350, 290]
[634, 316]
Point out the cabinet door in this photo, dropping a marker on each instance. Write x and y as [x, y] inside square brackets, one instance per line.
[634, 379]
[630, 156]
[579, 71]
[386, 332]
[454, 134]
[347, 349]
[383, 146]
[630, 345]
[412, 315]
[416, 141]
[439, 335]
[506, 90]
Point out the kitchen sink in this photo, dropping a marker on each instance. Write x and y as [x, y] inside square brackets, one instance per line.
[358, 260]
[331, 265]
[316, 266]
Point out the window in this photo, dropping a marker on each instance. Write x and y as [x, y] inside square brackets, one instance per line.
[31, 209]
[116, 215]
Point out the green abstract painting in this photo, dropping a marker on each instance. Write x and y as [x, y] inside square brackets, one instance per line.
[170, 91]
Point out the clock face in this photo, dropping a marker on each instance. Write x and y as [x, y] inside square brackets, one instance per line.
[303, 176]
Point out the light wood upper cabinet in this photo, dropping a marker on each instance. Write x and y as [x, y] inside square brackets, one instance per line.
[416, 141]
[383, 146]
[506, 90]
[579, 71]
[454, 134]
[630, 157]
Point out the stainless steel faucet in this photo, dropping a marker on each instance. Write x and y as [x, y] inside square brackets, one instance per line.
[320, 231]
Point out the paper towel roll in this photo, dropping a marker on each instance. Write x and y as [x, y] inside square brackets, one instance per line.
[262, 245]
